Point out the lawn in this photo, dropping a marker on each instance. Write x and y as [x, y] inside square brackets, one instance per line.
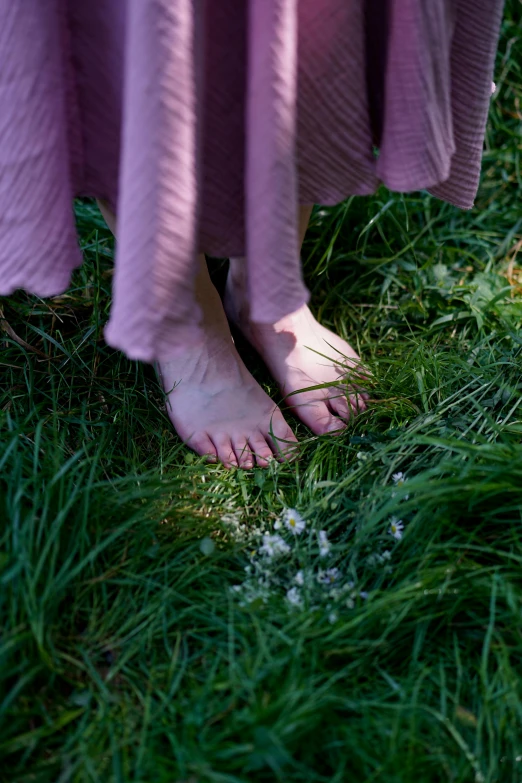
[159, 622]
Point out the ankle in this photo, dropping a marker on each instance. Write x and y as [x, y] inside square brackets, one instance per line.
[237, 280]
[236, 294]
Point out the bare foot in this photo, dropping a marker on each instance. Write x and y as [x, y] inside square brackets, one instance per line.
[301, 353]
[215, 404]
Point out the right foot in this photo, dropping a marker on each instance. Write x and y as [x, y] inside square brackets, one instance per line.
[215, 404]
[317, 371]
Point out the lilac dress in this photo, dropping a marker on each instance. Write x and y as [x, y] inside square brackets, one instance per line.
[205, 124]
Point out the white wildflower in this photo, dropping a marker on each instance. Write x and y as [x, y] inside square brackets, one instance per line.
[278, 524]
[329, 576]
[293, 596]
[399, 478]
[299, 578]
[363, 594]
[324, 544]
[273, 545]
[350, 603]
[396, 528]
[293, 521]
[386, 555]
[332, 617]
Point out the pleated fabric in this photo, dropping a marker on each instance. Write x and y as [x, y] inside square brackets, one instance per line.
[204, 124]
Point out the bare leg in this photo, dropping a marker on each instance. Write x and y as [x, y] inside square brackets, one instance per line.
[215, 404]
[108, 215]
[301, 353]
[305, 213]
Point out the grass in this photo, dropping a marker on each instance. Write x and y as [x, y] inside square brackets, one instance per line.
[124, 653]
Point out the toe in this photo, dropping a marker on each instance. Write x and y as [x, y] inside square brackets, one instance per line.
[338, 403]
[203, 446]
[243, 454]
[281, 437]
[225, 451]
[261, 449]
[358, 402]
[317, 416]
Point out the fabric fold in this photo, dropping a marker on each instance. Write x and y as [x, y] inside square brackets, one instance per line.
[38, 244]
[273, 266]
[154, 310]
[205, 123]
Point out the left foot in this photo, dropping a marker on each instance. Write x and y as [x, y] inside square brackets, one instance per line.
[301, 353]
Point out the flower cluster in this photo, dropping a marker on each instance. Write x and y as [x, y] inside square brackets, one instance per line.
[239, 531]
[297, 562]
[273, 546]
[272, 571]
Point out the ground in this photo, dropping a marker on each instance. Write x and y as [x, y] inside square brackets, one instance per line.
[162, 621]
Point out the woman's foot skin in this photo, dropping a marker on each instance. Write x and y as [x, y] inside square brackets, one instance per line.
[301, 353]
[215, 404]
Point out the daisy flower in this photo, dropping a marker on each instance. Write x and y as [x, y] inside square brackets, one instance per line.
[396, 528]
[293, 596]
[299, 578]
[293, 521]
[324, 544]
[399, 478]
[273, 545]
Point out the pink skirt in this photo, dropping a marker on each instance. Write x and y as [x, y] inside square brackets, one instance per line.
[205, 124]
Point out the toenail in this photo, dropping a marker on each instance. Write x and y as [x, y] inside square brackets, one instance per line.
[335, 425]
